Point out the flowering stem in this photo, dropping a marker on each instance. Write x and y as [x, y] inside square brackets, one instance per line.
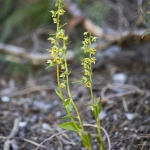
[69, 94]
[63, 99]
[58, 77]
[99, 132]
[87, 79]
[97, 119]
[91, 89]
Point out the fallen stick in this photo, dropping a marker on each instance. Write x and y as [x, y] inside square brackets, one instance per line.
[19, 54]
[12, 134]
[129, 89]
[28, 90]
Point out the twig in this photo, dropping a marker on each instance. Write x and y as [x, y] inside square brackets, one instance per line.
[143, 145]
[3, 137]
[19, 54]
[7, 145]
[29, 90]
[108, 139]
[26, 140]
[60, 143]
[15, 128]
[75, 11]
[129, 90]
[50, 138]
[12, 134]
[67, 142]
[34, 143]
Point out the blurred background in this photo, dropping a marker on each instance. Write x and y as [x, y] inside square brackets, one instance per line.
[121, 74]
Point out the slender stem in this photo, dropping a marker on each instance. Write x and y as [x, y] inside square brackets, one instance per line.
[92, 97]
[58, 77]
[99, 132]
[91, 88]
[69, 94]
[63, 99]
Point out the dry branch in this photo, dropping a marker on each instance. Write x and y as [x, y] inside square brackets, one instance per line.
[19, 54]
[127, 90]
[28, 90]
[12, 134]
[75, 12]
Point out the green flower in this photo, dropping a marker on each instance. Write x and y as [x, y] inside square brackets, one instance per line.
[84, 49]
[60, 51]
[86, 72]
[55, 20]
[62, 85]
[85, 79]
[93, 59]
[85, 66]
[62, 75]
[88, 84]
[60, 34]
[85, 33]
[49, 61]
[94, 39]
[54, 13]
[86, 41]
[63, 67]
[92, 51]
[65, 38]
[55, 49]
[58, 60]
[87, 60]
[61, 11]
[52, 40]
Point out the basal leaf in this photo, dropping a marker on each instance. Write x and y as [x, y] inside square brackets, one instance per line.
[70, 126]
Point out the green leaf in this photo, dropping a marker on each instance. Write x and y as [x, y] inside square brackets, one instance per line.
[86, 140]
[58, 94]
[65, 117]
[51, 65]
[97, 107]
[70, 126]
[67, 101]
[99, 140]
[70, 106]
[68, 117]
[56, 4]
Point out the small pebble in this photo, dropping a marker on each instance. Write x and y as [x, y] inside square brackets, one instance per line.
[58, 114]
[138, 138]
[125, 128]
[5, 99]
[130, 116]
[22, 124]
[42, 105]
[46, 126]
[119, 78]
